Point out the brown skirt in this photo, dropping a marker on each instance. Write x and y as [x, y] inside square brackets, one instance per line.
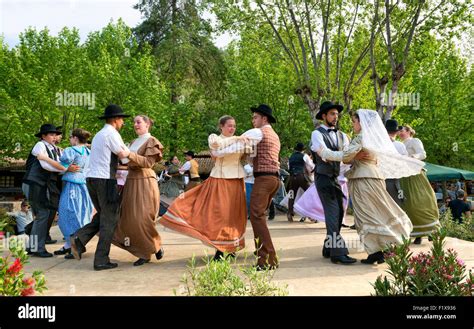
[214, 212]
[136, 230]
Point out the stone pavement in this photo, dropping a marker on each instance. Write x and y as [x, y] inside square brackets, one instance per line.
[302, 267]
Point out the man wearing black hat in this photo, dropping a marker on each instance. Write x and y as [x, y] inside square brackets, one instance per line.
[393, 185]
[107, 148]
[191, 171]
[327, 185]
[297, 164]
[40, 188]
[266, 168]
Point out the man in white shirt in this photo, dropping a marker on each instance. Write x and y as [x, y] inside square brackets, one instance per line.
[326, 181]
[40, 188]
[107, 148]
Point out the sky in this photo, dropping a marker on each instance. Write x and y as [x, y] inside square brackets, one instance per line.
[86, 15]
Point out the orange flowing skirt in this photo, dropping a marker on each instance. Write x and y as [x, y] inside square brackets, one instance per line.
[214, 212]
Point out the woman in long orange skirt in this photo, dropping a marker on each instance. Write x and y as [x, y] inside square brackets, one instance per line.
[215, 212]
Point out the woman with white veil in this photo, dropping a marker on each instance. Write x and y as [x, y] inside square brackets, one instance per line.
[378, 219]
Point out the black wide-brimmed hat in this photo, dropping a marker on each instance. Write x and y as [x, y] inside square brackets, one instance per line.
[113, 111]
[299, 147]
[392, 126]
[190, 153]
[265, 110]
[48, 128]
[326, 106]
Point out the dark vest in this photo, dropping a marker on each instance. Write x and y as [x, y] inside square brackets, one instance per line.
[296, 163]
[36, 174]
[330, 168]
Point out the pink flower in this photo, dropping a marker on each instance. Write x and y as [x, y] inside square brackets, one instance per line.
[460, 262]
[411, 271]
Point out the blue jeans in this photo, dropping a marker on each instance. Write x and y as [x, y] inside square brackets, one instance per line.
[248, 192]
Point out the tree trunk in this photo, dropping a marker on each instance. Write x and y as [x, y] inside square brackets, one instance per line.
[313, 104]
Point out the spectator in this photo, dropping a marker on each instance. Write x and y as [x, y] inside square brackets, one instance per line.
[452, 191]
[445, 205]
[460, 207]
[23, 218]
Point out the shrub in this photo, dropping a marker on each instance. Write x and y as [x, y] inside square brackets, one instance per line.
[7, 223]
[227, 278]
[12, 277]
[463, 231]
[436, 273]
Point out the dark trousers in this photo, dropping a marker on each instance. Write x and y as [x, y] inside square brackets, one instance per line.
[36, 195]
[264, 188]
[296, 181]
[331, 195]
[393, 188]
[51, 218]
[105, 197]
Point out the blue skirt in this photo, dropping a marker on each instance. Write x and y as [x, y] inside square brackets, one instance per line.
[75, 208]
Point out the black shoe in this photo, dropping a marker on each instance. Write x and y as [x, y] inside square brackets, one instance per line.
[43, 254]
[77, 248]
[303, 219]
[69, 256]
[326, 254]
[372, 258]
[159, 255]
[141, 261]
[62, 251]
[344, 259]
[271, 217]
[218, 256]
[29, 252]
[50, 241]
[344, 225]
[260, 268]
[417, 240]
[353, 227]
[107, 266]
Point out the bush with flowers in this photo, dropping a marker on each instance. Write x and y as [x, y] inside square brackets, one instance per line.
[13, 281]
[435, 273]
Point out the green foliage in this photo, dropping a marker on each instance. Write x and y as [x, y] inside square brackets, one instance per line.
[168, 68]
[108, 66]
[436, 273]
[7, 223]
[227, 278]
[12, 277]
[444, 120]
[463, 231]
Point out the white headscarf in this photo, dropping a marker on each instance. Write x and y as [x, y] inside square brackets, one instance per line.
[375, 139]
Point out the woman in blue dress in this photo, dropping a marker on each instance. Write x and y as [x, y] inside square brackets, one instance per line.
[75, 204]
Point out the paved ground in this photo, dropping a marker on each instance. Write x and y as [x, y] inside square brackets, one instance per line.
[302, 267]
